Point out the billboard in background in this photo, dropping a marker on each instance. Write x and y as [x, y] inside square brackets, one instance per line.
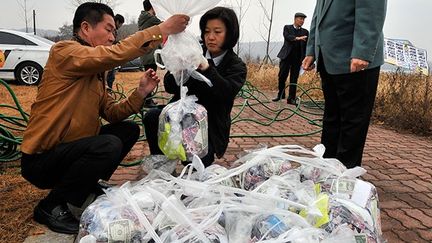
[403, 53]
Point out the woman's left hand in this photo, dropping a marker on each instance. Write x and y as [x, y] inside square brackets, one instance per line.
[204, 65]
[148, 82]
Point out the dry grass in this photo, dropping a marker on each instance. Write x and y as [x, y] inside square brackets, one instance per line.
[265, 77]
[404, 102]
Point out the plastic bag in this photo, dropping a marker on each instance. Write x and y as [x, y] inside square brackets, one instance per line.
[359, 193]
[112, 219]
[266, 167]
[158, 162]
[182, 53]
[165, 8]
[268, 227]
[183, 129]
[211, 172]
[357, 218]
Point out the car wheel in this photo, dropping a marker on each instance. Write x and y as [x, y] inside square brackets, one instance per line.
[28, 73]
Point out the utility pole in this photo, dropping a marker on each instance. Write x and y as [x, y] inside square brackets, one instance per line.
[34, 21]
[25, 14]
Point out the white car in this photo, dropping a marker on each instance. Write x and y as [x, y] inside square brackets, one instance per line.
[23, 56]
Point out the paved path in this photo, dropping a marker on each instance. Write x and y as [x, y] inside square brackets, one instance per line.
[399, 165]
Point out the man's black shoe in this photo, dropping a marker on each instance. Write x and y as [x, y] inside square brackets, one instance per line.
[58, 220]
[292, 101]
[150, 103]
[278, 98]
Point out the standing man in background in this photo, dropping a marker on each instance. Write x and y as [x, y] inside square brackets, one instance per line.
[147, 19]
[347, 41]
[291, 56]
[119, 21]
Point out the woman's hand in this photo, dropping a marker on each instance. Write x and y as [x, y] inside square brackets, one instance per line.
[148, 82]
[204, 65]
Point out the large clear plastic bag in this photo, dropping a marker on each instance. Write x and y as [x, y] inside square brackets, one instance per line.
[211, 172]
[158, 162]
[266, 167]
[112, 218]
[182, 53]
[343, 211]
[215, 234]
[267, 227]
[363, 194]
[183, 129]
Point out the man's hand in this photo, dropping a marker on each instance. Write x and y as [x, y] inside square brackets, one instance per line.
[175, 24]
[308, 63]
[358, 65]
[148, 82]
[301, 38]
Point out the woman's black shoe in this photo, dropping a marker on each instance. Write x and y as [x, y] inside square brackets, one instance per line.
[59, 220]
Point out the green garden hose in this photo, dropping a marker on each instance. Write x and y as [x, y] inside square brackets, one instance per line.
[253, 101]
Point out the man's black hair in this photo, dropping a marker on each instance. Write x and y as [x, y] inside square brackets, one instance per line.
[92, 13]
[229, 18]
[119, 18]
[147, 5]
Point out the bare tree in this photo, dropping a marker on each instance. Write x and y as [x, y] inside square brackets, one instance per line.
[111, 3]
[241, 7]
[24, 6]
[65, 32]
[267, 23]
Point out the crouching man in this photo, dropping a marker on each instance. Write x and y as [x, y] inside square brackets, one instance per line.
[65, 148]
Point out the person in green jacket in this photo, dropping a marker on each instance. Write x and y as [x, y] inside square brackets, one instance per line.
[346, 40]
[148, 19]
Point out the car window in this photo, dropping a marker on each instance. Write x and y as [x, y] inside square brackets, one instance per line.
[11, 39]
[43, 39]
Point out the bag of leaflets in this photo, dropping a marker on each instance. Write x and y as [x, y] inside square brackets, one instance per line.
[182, 52]
[183, 129]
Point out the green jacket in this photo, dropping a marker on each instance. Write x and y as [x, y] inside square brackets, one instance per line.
[145, 21]
[346, 29]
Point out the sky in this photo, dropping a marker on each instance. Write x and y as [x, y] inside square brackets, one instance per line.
[406, 19]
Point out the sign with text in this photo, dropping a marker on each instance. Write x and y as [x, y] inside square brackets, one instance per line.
[403, 54]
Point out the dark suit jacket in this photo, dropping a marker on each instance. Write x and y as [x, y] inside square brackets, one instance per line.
[342, 30]
[145, 21]
[227, 80]
[289, 41]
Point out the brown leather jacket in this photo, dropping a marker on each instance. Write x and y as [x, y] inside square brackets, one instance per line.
[72, 95]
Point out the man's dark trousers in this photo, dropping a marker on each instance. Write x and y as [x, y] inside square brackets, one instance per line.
[290, 64]
[72, 169]
[349, 100]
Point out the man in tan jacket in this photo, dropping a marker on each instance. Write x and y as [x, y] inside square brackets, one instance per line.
[65, 148]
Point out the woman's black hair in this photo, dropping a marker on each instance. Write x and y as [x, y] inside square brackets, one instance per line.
[119, 18]
[147, 5]
[229, 18]
[92, 13]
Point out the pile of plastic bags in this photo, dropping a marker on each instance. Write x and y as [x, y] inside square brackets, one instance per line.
[311, 199]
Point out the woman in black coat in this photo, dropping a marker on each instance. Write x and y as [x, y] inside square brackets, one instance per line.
[227, 72]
